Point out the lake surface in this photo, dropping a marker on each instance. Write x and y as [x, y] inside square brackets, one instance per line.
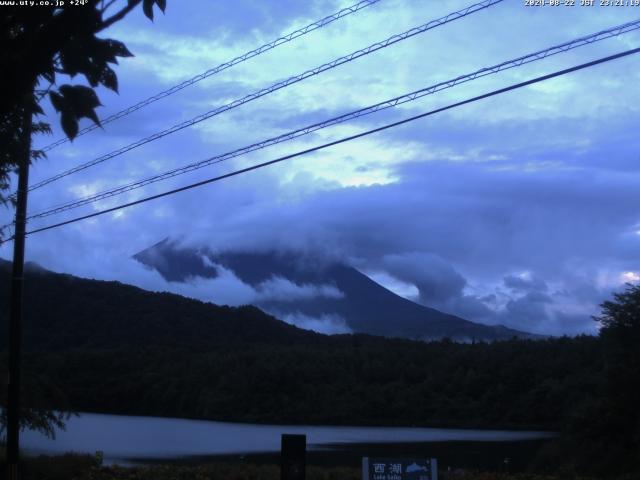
[125, 438]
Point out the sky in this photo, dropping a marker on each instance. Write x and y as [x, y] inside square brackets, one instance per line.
[521, 209]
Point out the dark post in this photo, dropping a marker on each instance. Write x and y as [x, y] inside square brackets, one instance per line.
[293, 457]
[15, 316]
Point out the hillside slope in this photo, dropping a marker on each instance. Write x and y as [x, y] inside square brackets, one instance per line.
[62, 311]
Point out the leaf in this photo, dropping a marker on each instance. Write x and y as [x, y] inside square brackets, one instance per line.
[162, 4]
[73, 57]
[93, 116]
[93, 74]
[79, 97]
[57, 101]
[41, 127]
[38, 155]
[109, 79]
[116, 49]
[147, 8]
[104, 50]
[79, 102]
[36, 108]
[49, 75]
[90, 55]
[119, 48]
[69, 125]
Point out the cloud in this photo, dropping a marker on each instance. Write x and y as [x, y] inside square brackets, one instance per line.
[503, 224]
[329, 324]
[453, 208]
[529, 309]
[435, 278]
[525, 282]
[225, 289]
[282, 290]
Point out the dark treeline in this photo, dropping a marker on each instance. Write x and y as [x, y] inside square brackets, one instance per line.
[534, 384]
[112, 348]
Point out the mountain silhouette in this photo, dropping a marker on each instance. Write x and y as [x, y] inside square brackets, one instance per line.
[362, 304]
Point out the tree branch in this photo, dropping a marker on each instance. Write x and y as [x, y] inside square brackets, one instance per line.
[104, 7]
[119, 16]
[41, 93]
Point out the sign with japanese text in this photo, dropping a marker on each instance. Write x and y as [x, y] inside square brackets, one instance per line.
[399, 469]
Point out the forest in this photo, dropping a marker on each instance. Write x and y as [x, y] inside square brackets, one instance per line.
[515, 384]
[112, 348]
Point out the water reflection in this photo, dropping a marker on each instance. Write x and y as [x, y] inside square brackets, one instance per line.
[127, 437]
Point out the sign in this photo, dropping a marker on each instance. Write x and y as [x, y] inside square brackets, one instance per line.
[399, 469]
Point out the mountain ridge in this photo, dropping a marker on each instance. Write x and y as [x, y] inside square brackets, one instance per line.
[57, 308]
[365, 306]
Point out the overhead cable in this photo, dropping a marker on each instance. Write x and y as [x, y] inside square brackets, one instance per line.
[337, 142]
[275, 87]
[323, 22]
[409, 97]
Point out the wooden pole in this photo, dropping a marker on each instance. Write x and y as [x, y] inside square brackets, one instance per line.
[17, 282]
[293, 450]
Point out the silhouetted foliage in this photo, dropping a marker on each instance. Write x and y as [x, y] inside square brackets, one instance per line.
[617, 418]
[38, 43]
[620, 319]
[44, 406]
[602, 435]
[344, 380]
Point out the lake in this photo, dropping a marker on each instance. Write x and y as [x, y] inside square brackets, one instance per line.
[126, 439]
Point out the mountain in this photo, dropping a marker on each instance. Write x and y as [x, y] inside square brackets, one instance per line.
[317, 289]
[114, 348]
[63, 311]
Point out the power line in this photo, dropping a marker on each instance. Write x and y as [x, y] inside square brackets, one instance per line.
[223, 66]
[525, 59]
[342, 140]
[277, 86]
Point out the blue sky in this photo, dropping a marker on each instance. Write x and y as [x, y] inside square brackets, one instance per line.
[521, 209]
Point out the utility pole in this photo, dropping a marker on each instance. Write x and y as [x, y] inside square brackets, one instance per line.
[17, 282]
